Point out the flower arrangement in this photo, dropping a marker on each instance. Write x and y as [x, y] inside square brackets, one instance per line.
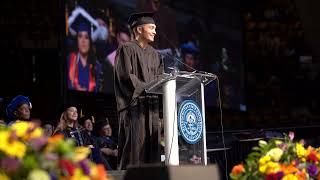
[280, 159]
[25, 153]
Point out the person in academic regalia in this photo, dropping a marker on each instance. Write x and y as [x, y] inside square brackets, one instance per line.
[19, 109]
[137, 63]
[84, 70]
[68, 125]
[91, 141]
[108, 144]
[87, 123]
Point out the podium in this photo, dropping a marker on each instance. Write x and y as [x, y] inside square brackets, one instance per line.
[183, 114]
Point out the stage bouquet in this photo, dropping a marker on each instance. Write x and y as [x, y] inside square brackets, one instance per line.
[25, 153]
[280, 159]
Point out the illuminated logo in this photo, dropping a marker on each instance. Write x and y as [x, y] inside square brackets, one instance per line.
[190, 121]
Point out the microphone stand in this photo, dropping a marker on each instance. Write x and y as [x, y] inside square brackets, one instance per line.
[176, 56]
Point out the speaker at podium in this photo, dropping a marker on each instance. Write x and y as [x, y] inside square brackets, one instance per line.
[182, 172]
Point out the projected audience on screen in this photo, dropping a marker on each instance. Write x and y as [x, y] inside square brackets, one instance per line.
[84, 70]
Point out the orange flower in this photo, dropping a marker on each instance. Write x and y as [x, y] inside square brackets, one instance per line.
[55, 138]
[301, 175]
[237, 169]
[53, 142]
[290, 169]
[98, 173]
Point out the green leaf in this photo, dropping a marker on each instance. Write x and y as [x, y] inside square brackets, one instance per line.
[30, 162]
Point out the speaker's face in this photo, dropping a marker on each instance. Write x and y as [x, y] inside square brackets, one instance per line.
[148, 32]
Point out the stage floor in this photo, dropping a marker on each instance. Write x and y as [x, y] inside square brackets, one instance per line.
[116, 174]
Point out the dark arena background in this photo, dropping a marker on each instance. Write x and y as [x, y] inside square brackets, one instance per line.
[265, 54]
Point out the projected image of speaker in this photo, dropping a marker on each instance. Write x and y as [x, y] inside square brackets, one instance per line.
[187, 172]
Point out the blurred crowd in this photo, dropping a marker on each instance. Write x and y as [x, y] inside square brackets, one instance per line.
[85, 130]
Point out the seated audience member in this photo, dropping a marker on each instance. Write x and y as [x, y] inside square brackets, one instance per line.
[87, 131]
[68, 125]
[108, 145]
[91, 141]
[19, 109]
[47, 129]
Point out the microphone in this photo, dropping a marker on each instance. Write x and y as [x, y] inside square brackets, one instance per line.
[174, 55]
[176, 59]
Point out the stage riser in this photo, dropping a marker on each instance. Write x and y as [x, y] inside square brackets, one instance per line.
[168, 173]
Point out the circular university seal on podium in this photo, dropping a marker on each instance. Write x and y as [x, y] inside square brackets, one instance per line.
[190, 121]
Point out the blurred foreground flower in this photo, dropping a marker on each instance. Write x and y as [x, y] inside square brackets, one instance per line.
[277, 159]
[25, 153]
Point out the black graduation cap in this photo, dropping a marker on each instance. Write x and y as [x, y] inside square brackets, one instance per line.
[63, 107]
[84, 118]
[137, 19]
[81, 24]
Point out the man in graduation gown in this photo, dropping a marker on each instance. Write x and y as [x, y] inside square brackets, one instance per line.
[137, 63]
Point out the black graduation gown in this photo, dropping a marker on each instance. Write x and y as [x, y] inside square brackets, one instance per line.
[74, 133]
[138, 113]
